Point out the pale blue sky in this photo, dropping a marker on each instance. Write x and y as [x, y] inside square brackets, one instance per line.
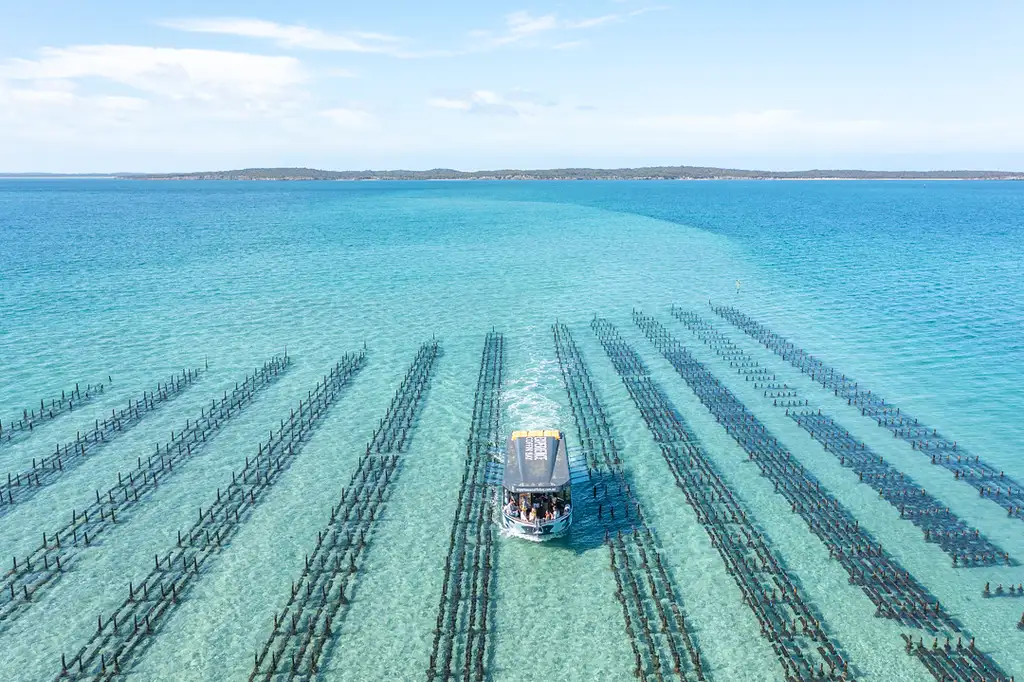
[119, 85]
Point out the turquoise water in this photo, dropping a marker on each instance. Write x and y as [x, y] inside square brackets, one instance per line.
[915, 288]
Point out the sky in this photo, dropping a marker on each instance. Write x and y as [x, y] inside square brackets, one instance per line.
[118, 86]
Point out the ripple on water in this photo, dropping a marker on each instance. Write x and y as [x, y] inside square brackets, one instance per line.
[913, 288]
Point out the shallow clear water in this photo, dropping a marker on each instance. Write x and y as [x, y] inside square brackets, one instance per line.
[914, 288]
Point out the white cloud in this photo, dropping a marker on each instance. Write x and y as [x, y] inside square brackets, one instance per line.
[118, 97]
[594, 21]
[290, 35]
[62, 129]
[517, 102]
[210, 76]
[609, 137]
[445, 103]
[34, 99]
[351, 119]
[68, 130]
[522, 27]
[63, 115]
[117, 107]
[486, 97]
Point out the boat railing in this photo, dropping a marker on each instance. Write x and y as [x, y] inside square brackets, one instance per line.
[539, 522]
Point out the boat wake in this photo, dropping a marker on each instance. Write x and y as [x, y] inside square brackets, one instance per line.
[505, 533]
[529, 404]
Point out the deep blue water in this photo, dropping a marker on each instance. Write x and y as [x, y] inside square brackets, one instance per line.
[914, 288]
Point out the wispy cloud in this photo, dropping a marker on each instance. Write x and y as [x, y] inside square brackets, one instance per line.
[39, 99]
[292, 35]
[179, 74]
[594, 21]
[523, 24]
[519, 28]
[446, 103]
[515, 103]
[80, 99]
[522, 27]
[478, 102]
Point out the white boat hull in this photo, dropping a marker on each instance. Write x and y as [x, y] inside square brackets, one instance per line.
[540, 530]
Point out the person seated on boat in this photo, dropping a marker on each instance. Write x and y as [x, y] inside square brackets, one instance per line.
[512, 510]
[533, 514]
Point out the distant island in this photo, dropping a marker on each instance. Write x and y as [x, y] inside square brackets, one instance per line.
[643, 173]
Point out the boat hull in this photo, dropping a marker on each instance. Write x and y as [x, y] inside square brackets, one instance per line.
[541, 530]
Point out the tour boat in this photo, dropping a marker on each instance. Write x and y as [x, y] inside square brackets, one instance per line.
[537, 493]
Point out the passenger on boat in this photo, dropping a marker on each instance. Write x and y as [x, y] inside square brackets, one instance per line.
[534, 507]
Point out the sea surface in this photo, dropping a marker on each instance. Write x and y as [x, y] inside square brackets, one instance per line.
[915, 288]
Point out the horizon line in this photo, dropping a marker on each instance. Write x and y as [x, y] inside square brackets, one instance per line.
[677, 170]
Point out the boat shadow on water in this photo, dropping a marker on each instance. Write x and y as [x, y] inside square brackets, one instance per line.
[600, 510]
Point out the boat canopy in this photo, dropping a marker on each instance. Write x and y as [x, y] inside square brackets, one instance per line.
[536, 462]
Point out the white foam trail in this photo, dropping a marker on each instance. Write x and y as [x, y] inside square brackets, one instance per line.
[528, 405]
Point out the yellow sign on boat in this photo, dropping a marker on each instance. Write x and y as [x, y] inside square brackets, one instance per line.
[537, 433]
